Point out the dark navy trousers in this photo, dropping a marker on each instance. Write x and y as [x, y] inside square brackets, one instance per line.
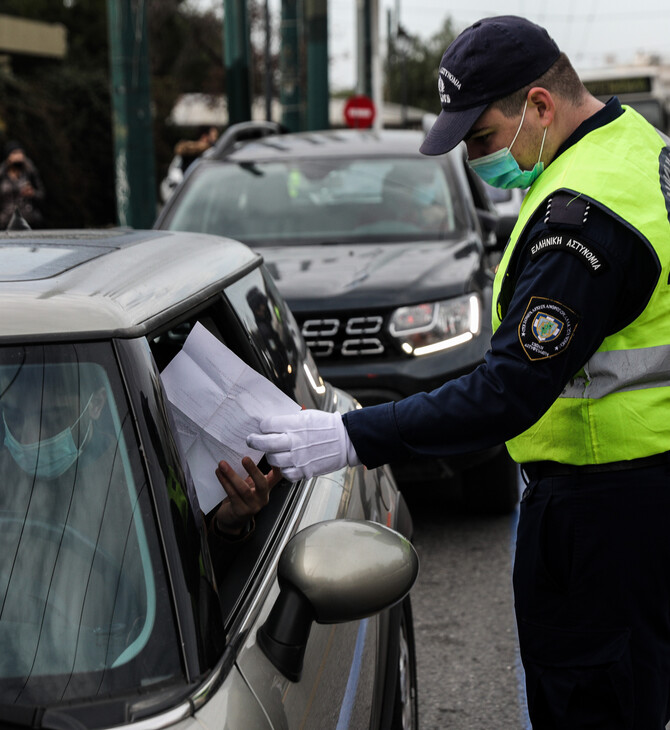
[592, 599]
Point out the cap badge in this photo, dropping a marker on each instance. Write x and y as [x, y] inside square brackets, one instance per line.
[450, 77]
[444, 98]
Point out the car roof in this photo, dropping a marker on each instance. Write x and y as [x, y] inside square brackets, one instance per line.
[90, 284]
[333, 143]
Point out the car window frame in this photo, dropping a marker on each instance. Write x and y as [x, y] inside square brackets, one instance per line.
[247, 569]
[184, 551]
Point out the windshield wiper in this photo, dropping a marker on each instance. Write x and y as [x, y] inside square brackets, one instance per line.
[251, 167]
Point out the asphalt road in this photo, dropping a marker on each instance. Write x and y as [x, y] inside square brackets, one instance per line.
[469, 671]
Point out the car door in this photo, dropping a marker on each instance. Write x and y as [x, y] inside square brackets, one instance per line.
[336, 686]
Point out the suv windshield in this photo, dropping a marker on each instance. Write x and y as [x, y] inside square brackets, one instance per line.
[322, 201]
[81, 581]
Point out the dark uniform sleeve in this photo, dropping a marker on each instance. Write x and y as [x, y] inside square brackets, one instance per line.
[581, 275]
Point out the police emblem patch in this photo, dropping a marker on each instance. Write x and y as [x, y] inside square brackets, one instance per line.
[546, 328]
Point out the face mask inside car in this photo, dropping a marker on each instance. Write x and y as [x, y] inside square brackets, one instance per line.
[51, 457]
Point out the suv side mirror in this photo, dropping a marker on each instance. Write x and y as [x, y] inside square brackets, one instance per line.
[504, 230]
[333, 572]
[497, 228]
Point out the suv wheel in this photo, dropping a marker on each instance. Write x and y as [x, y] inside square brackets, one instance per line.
[405, 703]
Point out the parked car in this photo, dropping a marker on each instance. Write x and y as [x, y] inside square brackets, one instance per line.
[173, 176]
[117, 608]
[384, 255]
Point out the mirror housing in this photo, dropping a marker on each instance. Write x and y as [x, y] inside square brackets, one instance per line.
[497, 228]
[333, 572]
[503, 230]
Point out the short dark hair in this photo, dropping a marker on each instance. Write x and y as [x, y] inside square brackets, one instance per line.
[561, 79]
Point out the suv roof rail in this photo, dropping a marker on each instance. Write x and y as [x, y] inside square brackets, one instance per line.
[242, 132]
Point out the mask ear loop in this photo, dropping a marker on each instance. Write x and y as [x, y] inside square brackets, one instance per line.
[88, 428]
[523, 116]
[544, 136]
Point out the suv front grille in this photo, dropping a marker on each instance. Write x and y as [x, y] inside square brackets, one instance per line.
[344, 337]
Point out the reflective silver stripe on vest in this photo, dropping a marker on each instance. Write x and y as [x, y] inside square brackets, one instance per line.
[621, 370]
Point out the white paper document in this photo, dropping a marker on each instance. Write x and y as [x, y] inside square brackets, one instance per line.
[217, 400]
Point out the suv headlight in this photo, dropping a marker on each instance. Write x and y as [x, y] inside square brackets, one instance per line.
[434, 326]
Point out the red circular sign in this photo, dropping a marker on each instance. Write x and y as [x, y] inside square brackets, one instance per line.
[359, 112]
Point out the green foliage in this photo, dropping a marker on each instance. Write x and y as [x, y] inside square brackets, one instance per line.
[61, 110]
[62, 119]
[412, 66]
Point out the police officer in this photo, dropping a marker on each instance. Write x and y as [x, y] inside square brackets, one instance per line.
[577, 379]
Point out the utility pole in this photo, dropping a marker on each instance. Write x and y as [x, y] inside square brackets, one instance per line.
[236, 56]
[318, 88]
[364, 47]
[290, 79]
[267, 76]
[369, 70]
[131, 112]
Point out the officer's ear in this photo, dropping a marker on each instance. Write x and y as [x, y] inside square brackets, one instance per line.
[541, 102]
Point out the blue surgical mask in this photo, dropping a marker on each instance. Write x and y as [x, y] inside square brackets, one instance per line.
[49, 458]
[501, 170]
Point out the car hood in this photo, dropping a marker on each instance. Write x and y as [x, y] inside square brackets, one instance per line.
[381, 274]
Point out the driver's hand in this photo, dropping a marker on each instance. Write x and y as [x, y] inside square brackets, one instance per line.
[246, 497]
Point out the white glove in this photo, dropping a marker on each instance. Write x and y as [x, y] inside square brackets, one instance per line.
[305, 444]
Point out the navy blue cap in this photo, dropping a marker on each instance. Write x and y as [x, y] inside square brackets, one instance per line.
[491, 59]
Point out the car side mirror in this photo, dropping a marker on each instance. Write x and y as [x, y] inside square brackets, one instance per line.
[503, 230]
[497, 228]
[333, 572]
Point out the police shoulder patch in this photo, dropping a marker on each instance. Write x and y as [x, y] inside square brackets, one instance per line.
[664, 172]
[546, 328]
[562, 242]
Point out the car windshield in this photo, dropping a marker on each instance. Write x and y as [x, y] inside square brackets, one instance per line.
[329, 200]
[80, 567]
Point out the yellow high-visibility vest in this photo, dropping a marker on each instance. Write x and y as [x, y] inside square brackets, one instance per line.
[617, 407]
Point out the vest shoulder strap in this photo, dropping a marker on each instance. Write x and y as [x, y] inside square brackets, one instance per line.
[566, 209]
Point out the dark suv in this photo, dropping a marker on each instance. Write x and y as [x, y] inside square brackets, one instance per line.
[384, 255]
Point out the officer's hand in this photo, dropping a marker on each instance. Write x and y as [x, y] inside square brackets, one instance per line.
[305, 444]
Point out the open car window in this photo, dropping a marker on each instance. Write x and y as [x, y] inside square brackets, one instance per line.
[276, 338]
[255, 323]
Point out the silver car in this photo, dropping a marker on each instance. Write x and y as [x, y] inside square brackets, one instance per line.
[117, 606]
